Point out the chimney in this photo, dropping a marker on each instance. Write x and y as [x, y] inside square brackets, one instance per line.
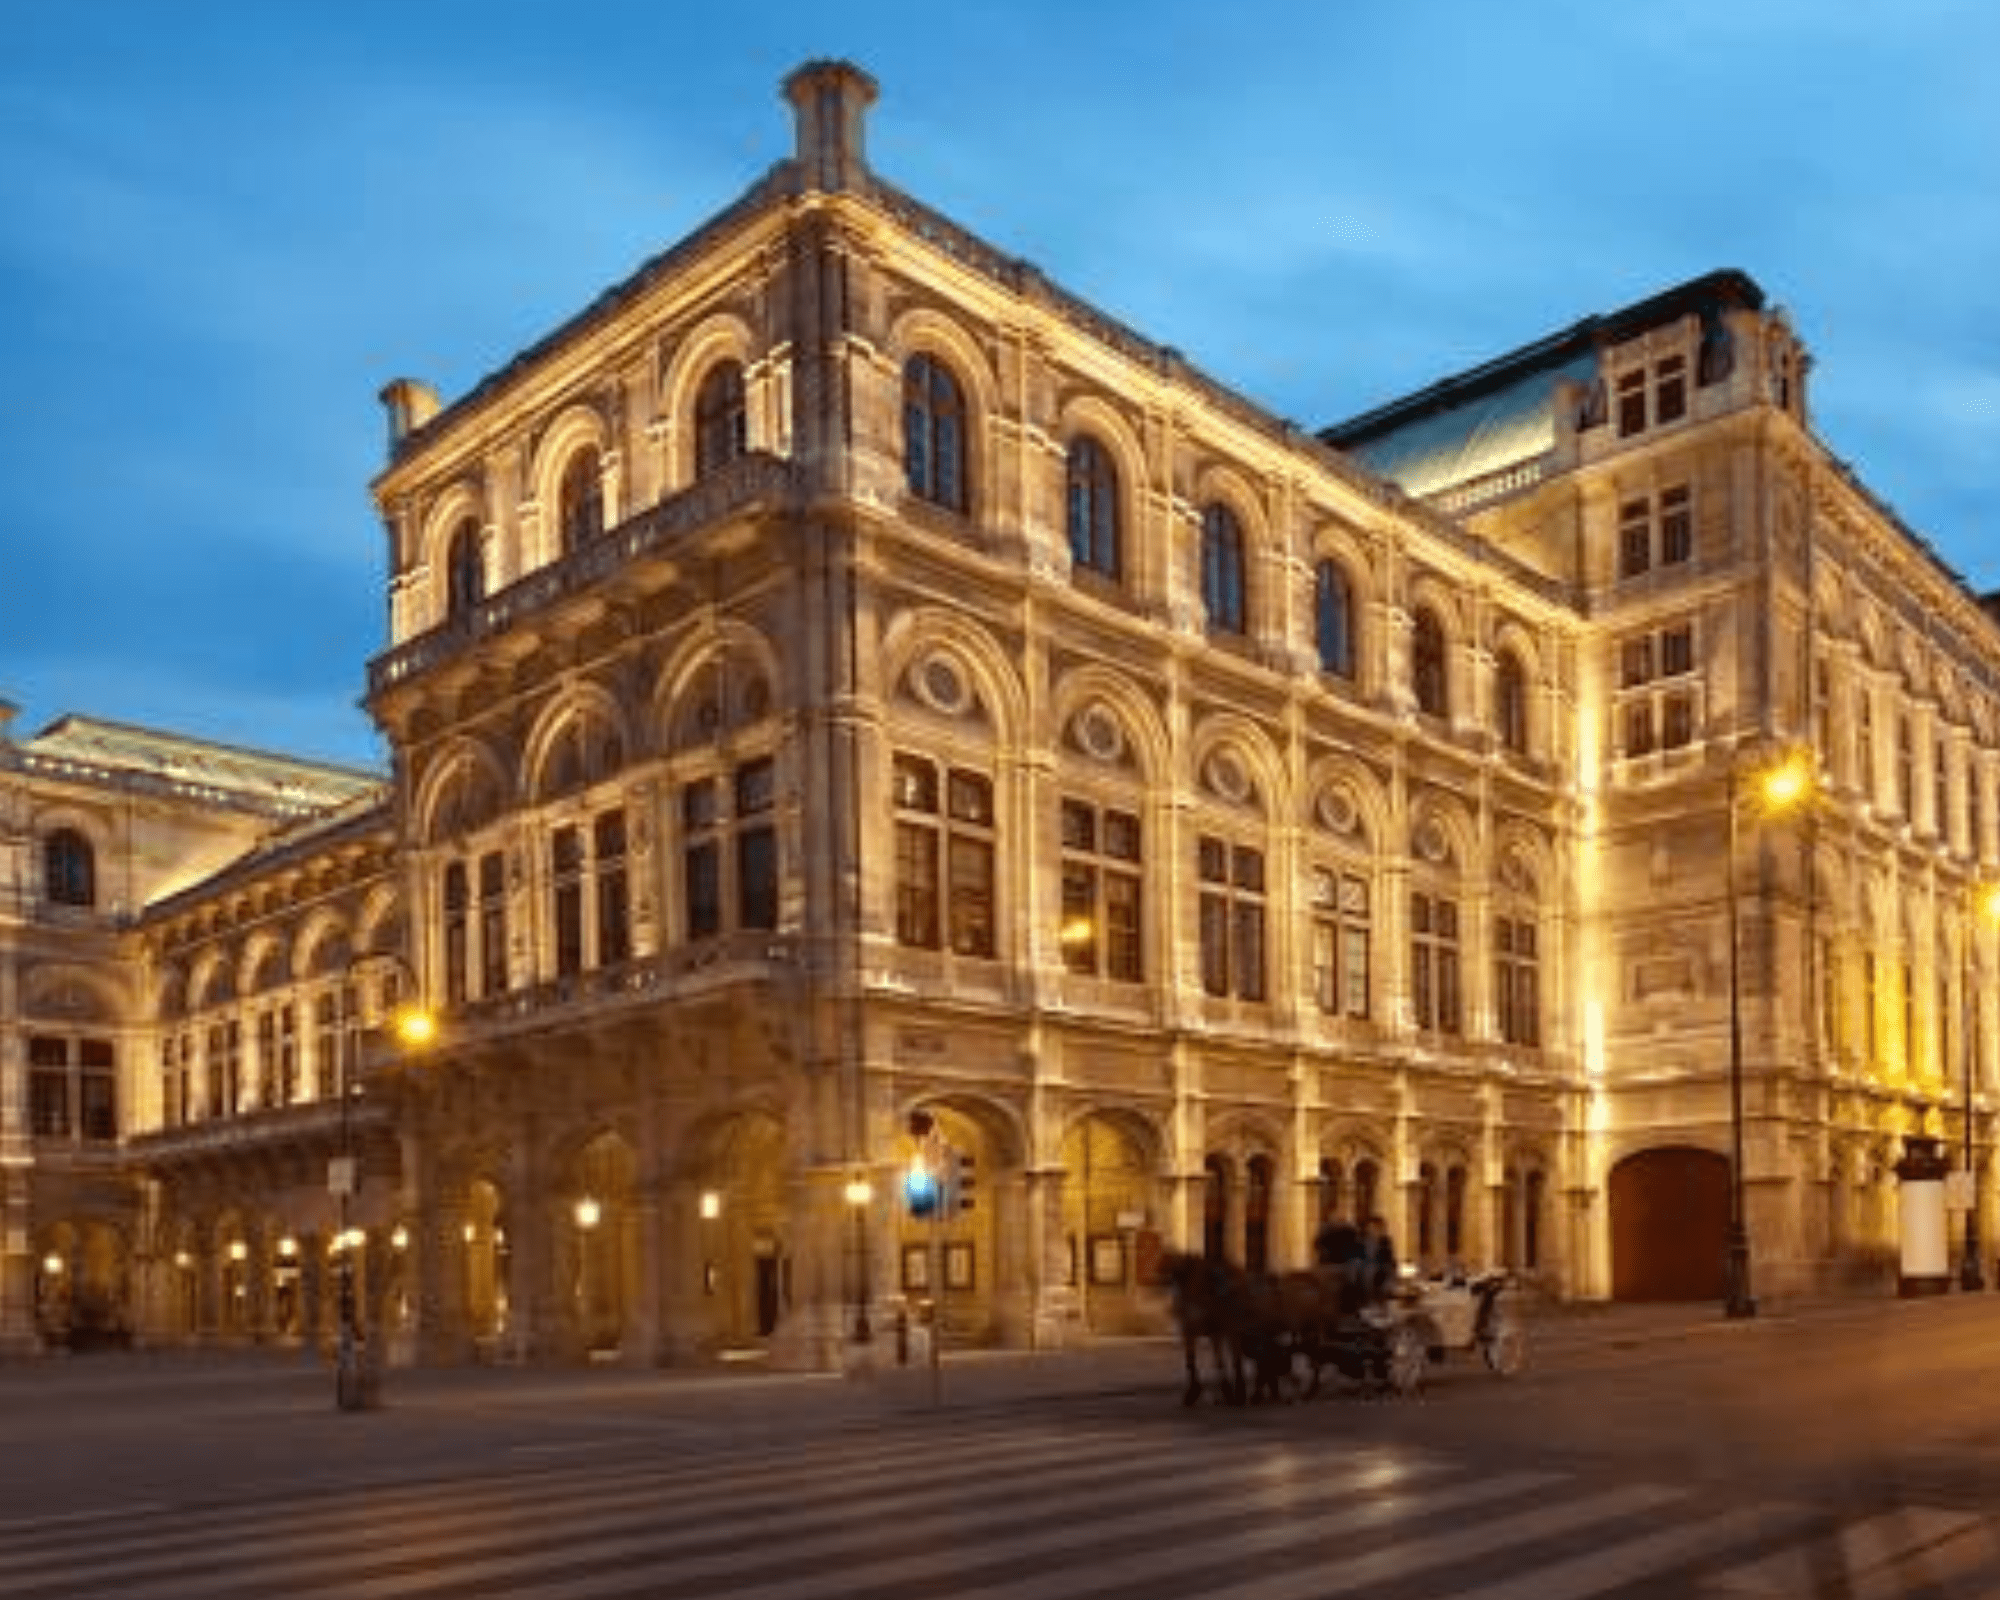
[830, 100]
[410, 405]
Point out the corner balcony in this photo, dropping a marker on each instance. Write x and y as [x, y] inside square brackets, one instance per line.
[753, 483]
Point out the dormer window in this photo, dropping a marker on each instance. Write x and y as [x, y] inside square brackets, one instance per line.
[71, 868]
[1652, 395]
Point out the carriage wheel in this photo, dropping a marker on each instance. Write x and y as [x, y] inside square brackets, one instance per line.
[1409, 1355]
[1505, 1346]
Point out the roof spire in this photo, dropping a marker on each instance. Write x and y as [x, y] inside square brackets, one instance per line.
[831, 101]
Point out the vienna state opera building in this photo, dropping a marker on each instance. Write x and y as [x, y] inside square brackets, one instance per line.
[855, 707]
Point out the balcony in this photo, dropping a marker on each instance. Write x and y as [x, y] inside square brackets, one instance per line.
[753, 482]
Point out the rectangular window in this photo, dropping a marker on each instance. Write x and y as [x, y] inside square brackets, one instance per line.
[757, 878]
[1100, 932]
[48, 1087]
[1631, 403]
[1434, 957]
[945, 858]
[267, 1058]
[1639, 728]
[97, 1089]
[492, 924]
[1231, 919]
[614, 907]
[1676, 527]
[171, 1112]
[1340, 943]
[288, 1055]
[456, 931]
[1670, 389]
[1517, 981]
[1635, 538]
[1676, 650]
[566, 875]
[1676, 720]
[701, 860]
[1654, 713]
[1635, 662]
[756, 845]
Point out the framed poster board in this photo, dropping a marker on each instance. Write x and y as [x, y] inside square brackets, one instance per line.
[917, 1267]
[1107, 1259]
[958, 1266]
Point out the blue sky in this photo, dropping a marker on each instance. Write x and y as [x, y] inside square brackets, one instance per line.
[225, 226]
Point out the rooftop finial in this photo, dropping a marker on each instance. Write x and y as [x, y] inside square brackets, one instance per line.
[831, 101]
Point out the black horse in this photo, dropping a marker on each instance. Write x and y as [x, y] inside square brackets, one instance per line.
[1211, 1300]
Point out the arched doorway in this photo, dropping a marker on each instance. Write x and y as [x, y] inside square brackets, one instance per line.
[743, 1270]
[1108, 1221]
[604, 1243]
[1669, 1225]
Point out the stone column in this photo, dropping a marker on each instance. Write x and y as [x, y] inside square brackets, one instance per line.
[442, 1334]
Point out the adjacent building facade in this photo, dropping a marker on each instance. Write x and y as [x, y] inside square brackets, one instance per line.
[855, 706]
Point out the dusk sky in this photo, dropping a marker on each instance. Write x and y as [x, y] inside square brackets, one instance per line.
[225, 226]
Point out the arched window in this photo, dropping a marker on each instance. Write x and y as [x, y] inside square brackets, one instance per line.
[934, 433]
[1093, 507]
[721, 420]
[580, 500]
[71, 868]
[1333, 618]
[1510, 702]
[1222, 568]
[465, 572]
[1427, 664]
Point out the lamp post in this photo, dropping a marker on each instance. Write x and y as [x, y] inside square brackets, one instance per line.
[1778, 788]
[354, 1387]
[859, 1193]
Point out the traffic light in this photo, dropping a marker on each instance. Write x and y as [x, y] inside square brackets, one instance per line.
[920, 1188]
[962, 1180]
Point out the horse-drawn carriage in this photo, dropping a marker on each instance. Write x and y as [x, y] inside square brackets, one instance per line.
[1271, 1332]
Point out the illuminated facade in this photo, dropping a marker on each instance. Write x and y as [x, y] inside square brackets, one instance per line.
[840, 676]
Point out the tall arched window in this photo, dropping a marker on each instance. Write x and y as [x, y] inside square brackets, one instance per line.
[1222, 568]
[1333, 618]
[1093, 507]
[1427, 660]
[465, 573]
[721, 418]
[934, 433]
[1510, 702]
[70, 866]
[580, 500]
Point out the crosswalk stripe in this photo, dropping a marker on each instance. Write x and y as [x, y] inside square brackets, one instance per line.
[393, 1561]
[1438, 1548]
[339, 1525]
[955, 1544]
[1632, 1559]
[990, 1509]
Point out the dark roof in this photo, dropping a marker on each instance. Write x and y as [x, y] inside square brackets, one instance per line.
[1502, 414]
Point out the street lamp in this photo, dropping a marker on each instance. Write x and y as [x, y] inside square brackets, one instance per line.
[1987, 901]
[859, 1193]
[1776, 789]
[413, 1026]
[711, 1208]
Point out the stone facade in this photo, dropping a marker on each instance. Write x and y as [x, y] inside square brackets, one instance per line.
[855, 705]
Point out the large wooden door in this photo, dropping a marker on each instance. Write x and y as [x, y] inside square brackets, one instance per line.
[1669, 1225]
